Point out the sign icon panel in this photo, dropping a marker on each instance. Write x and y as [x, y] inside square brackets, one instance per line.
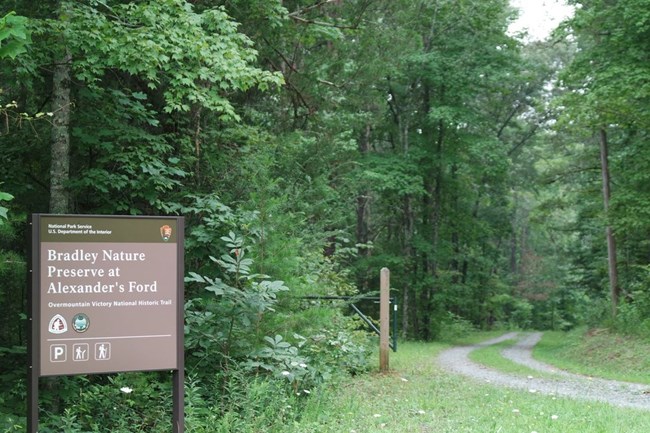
[102, 351]
[81, 352]
[58, 352]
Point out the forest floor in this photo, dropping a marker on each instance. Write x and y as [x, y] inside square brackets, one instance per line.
[548, 380]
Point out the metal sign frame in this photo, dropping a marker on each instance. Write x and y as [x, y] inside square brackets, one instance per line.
[35, 298]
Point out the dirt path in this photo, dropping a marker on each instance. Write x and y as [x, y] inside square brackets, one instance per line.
[561, 383]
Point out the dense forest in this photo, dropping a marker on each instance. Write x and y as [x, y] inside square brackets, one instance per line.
[309, 144]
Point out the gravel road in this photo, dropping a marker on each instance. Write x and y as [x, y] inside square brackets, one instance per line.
[560, 383]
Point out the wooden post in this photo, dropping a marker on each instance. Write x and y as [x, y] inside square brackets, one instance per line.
[384, 322]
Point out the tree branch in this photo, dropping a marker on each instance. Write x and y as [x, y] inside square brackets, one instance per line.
[324, 24]
[525, 138]
[557, 177]
[308, 8]
[297, 91]
[282, 56]
[509, 117]
[329, 83]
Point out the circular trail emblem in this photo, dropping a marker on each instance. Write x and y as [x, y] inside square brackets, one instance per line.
[80, 322]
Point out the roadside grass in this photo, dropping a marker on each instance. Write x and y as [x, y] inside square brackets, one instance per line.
[417, 396]
[490, 356]
[598, 353]
[474, 337]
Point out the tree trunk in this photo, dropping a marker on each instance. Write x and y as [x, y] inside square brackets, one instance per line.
[405, 312]
[514, 268]
[363, 214]
[611, 241]
[60, 165]
[408, 229]
[455, 233]
[363, 200]
[465, 266]
[60, 155]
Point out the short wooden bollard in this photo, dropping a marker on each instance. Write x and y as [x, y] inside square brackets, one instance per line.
[384, 319]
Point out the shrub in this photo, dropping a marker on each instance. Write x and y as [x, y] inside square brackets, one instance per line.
[454, 327]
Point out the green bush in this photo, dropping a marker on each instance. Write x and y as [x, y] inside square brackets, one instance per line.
[633, 317]
[454, 327]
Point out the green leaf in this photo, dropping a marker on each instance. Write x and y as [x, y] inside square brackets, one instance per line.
[139, 96]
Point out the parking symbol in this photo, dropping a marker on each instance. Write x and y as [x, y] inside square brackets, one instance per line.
[102, 351]
[58, 352]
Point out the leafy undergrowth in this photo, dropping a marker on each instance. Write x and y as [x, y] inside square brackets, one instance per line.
[597, 352]
[417, 396]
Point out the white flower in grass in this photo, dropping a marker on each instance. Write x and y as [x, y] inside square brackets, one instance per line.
[376, 415]
[554, 417]
[306, 391]
[285, 373]
[515, 410]
[126, 390]
[303, 365]
[421, 412]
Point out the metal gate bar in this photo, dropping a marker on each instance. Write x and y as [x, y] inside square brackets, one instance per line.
[366, 319]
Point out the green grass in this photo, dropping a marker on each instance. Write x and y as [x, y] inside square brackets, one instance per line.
[490, 356]
[418, 397]
[473, 338]
[597, 353]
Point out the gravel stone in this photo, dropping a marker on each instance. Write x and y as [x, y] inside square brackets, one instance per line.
[562, 384]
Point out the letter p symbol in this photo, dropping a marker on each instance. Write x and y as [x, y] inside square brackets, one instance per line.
[58, 352]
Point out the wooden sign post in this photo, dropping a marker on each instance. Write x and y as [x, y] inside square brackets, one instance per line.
[384, 319]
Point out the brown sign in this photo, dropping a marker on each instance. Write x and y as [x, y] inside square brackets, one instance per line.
[108, 293]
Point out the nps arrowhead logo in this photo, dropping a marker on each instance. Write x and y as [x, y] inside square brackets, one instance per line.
[166, 232]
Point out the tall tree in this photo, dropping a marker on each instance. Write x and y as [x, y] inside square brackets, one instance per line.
[608, 96]
[611, 240]
[61, 106]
